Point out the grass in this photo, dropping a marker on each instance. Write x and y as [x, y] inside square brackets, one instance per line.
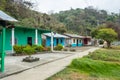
[102, 64]
[105, 55]
[96, 68]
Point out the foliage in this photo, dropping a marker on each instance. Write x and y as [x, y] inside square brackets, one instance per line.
[73, 50]
[35, 46]
[49, 48]
[102, 64]
[115, 26]
[65, 49]
[105, 55]
[29, 50]
[101, 41]
[78, 20]
[96, 68]
[107, 34]
[58, 47]
[18, 49]
[40, 48]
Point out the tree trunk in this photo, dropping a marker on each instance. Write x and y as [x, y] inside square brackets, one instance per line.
[108, 44]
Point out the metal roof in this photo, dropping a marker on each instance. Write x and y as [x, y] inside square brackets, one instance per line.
[73, 35]
[5, 17]
[56, 35]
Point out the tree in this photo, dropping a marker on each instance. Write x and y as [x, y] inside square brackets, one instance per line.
[107, 34]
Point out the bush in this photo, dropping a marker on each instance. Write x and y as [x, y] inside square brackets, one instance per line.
[65, 49]
[28, 50]
[49, 49]
[101, 41]
[40, 48]
[35, 46]
[73, 50]
[18, 49]
[58, 47]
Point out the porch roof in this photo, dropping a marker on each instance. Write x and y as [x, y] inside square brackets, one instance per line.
[5, 17]
[73, 35]
[39, 29]
[56, 35]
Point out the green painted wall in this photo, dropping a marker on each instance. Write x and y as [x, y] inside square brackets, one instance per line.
[21, 35]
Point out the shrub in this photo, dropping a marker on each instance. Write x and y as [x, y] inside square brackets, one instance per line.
[29, 50]
[65, 49]
[45, 49]
[40, 48]
[58, 47]
[35, 46]
[101, 41]
[73, 50]
[49, 49]
[18, 49]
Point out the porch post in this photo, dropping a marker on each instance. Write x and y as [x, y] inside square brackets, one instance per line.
[13, 39]
[3, 49]
[36, 36]
[52, 41]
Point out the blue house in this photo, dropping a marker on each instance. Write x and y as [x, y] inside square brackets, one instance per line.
[57, 39]
[74, 40]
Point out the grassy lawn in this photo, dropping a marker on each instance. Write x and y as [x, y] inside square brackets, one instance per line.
[102, 64]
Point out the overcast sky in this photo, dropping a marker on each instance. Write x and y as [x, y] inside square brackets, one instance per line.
[61, 5]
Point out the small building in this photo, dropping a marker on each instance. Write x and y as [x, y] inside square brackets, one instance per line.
[87, 40]
[74, 40]
[19, 35]
[57, 39]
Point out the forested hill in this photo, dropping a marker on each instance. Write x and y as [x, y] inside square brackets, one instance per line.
[82, 21]
[21, 10]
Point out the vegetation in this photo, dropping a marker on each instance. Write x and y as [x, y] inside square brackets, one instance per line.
[83, 21]
[59, 47]
[29, 50]
[80, 21]
[73, 50]
[21, 10]
[103, 64]
[40, 48]
[18, 49]
[21, 50]
[107, 34]
[112, 55]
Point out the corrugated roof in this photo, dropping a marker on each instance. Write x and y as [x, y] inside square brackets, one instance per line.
[5, 17]
[73, 35]
[56, 35]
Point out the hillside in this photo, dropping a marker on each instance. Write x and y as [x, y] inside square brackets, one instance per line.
[82, 21]
[21, 10]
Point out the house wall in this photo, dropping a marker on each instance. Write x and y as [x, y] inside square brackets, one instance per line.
[74, 42]
[21, 35]
[48, 41]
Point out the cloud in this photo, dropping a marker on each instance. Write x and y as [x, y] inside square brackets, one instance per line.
[60, 5]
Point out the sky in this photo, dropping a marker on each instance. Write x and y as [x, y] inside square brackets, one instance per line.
[48, 6]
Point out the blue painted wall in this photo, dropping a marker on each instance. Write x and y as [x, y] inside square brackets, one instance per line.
[74, 45]
[48, 41]
[79, 44]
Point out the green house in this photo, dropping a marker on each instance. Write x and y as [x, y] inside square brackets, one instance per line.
[20, 35]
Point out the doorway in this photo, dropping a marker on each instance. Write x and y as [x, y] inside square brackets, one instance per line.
[57, 41]
[29, 41]
[77, 42]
